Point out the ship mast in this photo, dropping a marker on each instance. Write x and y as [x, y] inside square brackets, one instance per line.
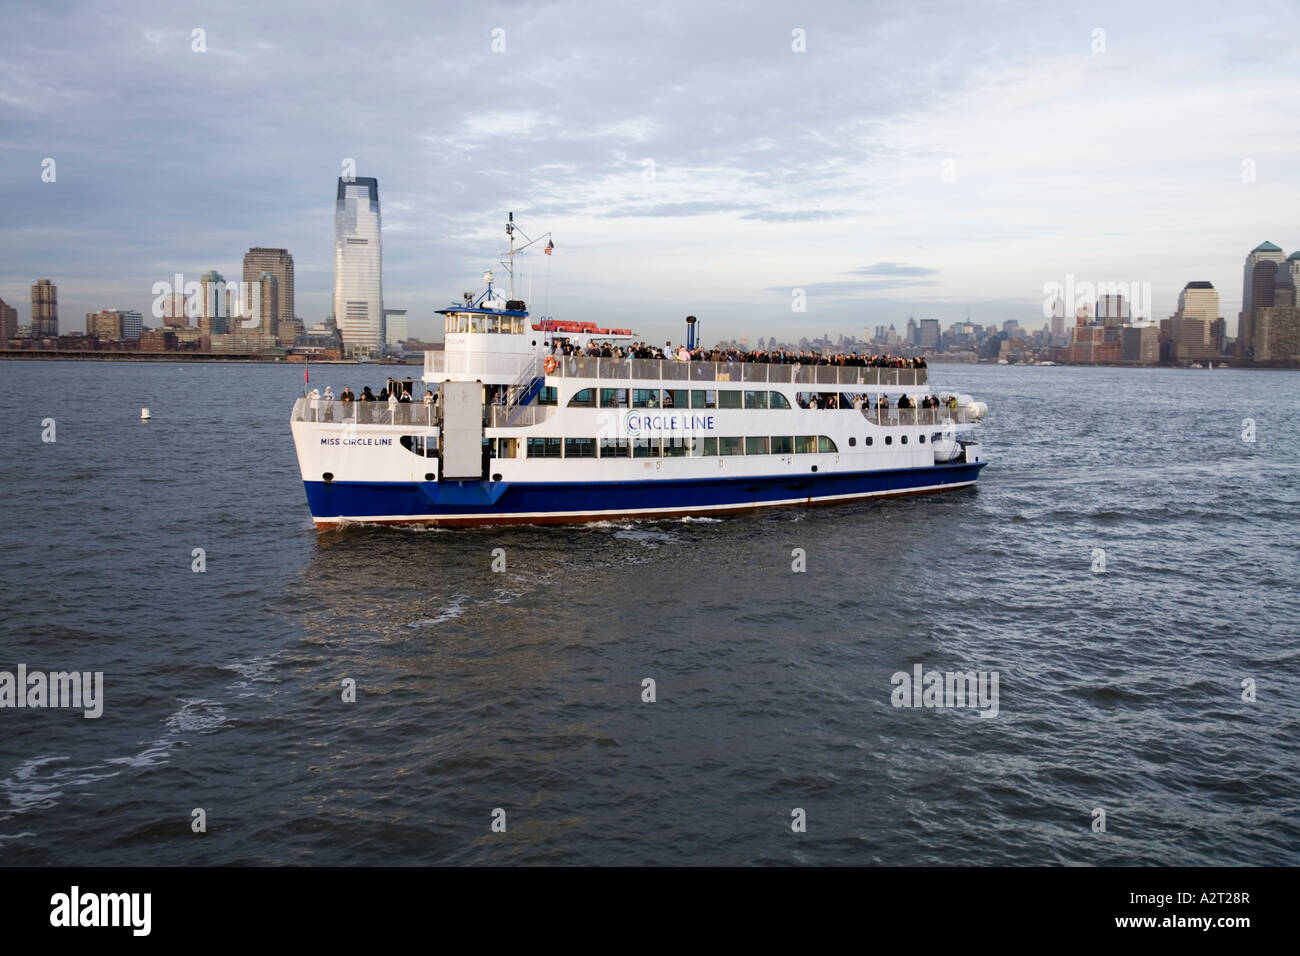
[509, 259]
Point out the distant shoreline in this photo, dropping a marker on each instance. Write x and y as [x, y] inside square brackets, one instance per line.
[38, 355]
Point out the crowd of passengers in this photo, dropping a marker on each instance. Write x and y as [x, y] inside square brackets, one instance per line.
[864, 404]
[643, 350]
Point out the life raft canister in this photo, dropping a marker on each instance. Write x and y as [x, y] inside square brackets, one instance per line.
[550, 364]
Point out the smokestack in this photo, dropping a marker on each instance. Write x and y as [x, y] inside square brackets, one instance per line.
[690, 332]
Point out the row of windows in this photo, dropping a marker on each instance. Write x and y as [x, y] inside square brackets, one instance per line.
[670, 398]
[677, 447]
[479, 322]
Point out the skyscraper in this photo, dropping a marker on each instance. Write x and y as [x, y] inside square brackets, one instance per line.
[1264, 252]
[358, 266]
[1191, 330]
[214, 311]
[266, 300]
[45, 309]
[8, 322]
[1112, 310]
[927, 334]
[279, 263]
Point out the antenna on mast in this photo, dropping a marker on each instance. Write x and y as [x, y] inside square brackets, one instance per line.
[509, 261]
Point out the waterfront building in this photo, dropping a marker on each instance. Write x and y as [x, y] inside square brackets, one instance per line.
[1257, 291]
[105, 325]
[45, 309]
[158, 340]
[173, 311]
[1140, 344]
[214, 305]
[8, 322]
[358, 265]
[1191, 330]
[260, 260]
[1112, 310]
[1277, 335]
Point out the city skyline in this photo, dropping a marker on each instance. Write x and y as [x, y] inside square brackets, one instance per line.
[683, 170]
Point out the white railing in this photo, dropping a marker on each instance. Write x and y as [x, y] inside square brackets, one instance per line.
[364, 413]
[505, 417]
[478, 364]
[623, 370]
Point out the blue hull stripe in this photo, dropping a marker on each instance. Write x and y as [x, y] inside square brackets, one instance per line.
[485, 499]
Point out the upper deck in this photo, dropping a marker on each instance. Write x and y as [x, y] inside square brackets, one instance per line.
[475, 364]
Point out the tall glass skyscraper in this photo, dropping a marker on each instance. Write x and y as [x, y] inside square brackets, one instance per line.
[358, 266]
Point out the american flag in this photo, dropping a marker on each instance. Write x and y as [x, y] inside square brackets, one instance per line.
[549, 246]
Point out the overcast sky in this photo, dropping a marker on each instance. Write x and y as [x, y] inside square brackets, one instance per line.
[917, 158]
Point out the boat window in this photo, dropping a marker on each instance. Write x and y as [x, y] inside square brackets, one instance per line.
[579, 448]
[585, 397]
[728, 398]
[921, 439]
[506, 447]
[731, 446]
[676, 398]
[824, 444]
[675, 447]
[543, 448]
[777, 400]
[475, 322]
[645, 447]
[805, 444]
[756, 399]
[869, 439]
[613, 447]
[613, 398]
[645, 398]
[462, 321]
[756, 445]
[549, 395]
[491, 323]
[782, 444]
[852, 441]
[704, 399]
[710, 446]
[889, 439]
[904, 439]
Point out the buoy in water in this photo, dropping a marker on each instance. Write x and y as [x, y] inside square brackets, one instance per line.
[144, 414]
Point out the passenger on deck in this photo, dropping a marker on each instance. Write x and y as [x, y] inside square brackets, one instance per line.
[346, 395]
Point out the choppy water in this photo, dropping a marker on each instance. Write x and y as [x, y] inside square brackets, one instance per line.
[522, 690]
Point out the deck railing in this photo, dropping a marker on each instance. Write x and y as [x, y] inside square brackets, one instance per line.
[624, 369]
[364, 413]
[613, 369]
[501, 416]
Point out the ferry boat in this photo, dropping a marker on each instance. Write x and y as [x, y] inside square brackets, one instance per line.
[505, 428]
